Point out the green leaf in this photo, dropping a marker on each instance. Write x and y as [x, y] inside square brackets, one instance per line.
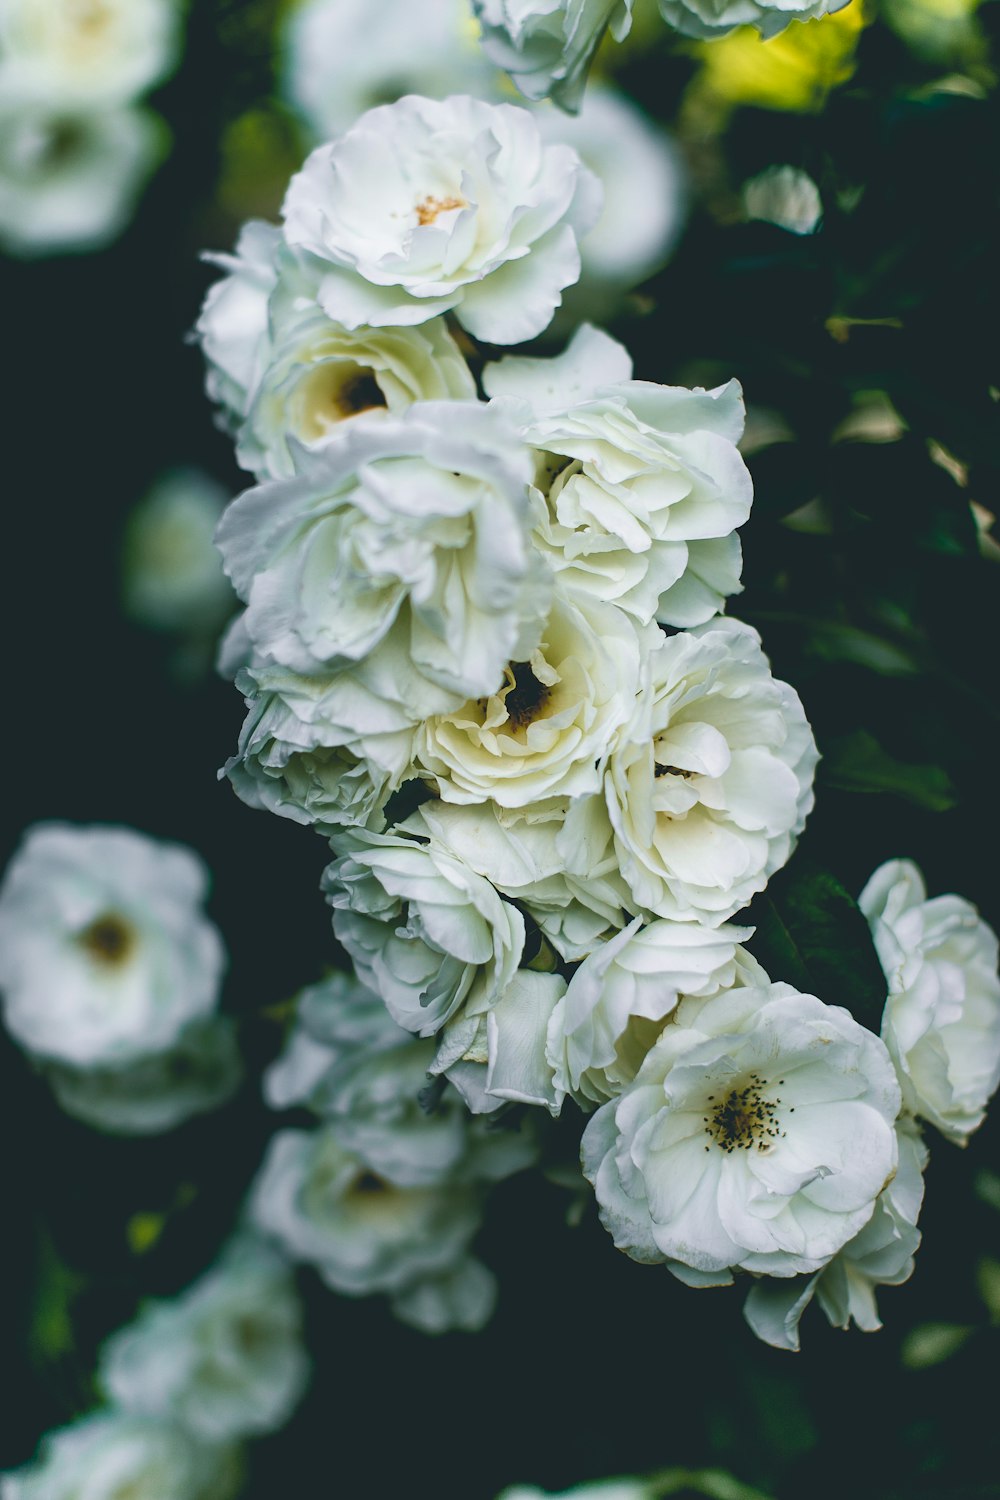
[857, 763]
[811, 934]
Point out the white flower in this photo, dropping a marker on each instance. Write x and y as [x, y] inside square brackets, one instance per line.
[714, 18]
[105, 952]
[784, 196]
[400, 547]
[942, 1018]
[154, 1094]
[708, 793]
[363, 1232]
[69, 181]
[758, 1134]
[643, 177]
[881, 1254]
[546, 729]
[224, 1360]
[620, 997]
[342, 57]
[232, 328]
[426, 933]
[88, 53]
[425, 207]
[112, 1454]
[173, 575]
[642, 485]
[602, 1489]
[333, 1018]
[547, 45]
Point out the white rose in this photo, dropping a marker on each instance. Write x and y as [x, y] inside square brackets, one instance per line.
[620, 997]
[224, 1360]
[111, 1454]
[757, 1134]
[642, 485]
[402, 547]
[89, 54]
[69, 181]
[426, 933]
[547, 45]
[546, 730]
[333, 1018]
[644, 181]
[342, 57]
[154, 1094]
[708, 793]
[784, 196]
[105, 951]
[232, 327]
[942, 1018]
[173, 574]
[713, 18]
[881, 1254]
[426, 207]
[323, 751]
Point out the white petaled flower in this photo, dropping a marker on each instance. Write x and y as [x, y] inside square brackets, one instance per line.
[942, 1018]
[321, 751]
[620, 997]
[784, 196]
[232, 327]
[401, 550]
[69, 181]
[426, 933]
[643, 177]
[199, 1072]
[547, 45]
[334, 1018]
[641, 485]
[709, 791]
[546, 729]
[714, 18]
[224, 1360]
[173, 578]
[601, 1489]
[426, 207]
[89, 53]
[757, 1134]
[106, 954]
[113, 1454]
[881, 1254]
[342, 57]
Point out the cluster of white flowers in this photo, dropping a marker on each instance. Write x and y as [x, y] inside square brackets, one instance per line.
[484, 653]
[110, 975]
[186, 1384]
[75, 146]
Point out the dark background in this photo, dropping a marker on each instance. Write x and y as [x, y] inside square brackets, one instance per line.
[592, 1365]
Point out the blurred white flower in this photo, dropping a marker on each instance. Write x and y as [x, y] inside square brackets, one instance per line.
[112, 1454]
[106, 954]
[784, 196]
[426, 933]
[643, 177]
[757, 1134]
[429, 206]
[708, 791]
[88, 54]
[601, 1489]
[714, 18]
[547, 45]
[333, 1018]
[173, 578]
[942, 1017]
[641, 485]
[881, 1254]
[224, 1360]
[399, 550]
[69, 181]
[342, 57]
[199, 1072]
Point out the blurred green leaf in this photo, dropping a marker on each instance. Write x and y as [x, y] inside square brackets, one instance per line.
[933, 1343]
[856, 762]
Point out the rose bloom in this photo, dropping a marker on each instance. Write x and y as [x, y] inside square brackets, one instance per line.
[111, 1453]
[105, 951]
[547, 46]
[757, 1135]
[714, 18]
[426, 207]
[641, 486]
[942, 1018]
[88, 53]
